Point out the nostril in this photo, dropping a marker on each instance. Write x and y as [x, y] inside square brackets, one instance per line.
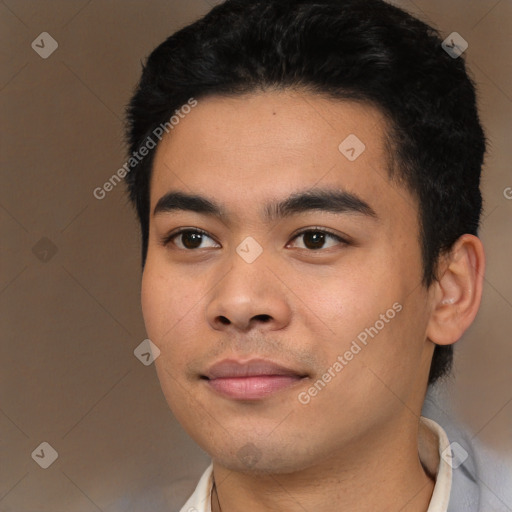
[264, 318]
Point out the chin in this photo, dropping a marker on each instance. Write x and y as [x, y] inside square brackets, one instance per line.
[259, 457]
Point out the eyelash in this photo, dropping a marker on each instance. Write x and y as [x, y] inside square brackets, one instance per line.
[166, 240]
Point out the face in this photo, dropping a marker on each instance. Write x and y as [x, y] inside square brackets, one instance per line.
[289, 311]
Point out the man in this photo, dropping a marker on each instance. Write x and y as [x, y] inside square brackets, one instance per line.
[306, 175]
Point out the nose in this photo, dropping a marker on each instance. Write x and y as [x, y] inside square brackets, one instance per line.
[250, 295]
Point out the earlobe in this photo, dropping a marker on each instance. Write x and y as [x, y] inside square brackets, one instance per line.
[457, 292]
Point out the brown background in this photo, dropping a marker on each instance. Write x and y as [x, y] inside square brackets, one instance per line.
[71, 320]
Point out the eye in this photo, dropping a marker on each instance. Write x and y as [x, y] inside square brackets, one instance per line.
[314, 239]
[190, 238]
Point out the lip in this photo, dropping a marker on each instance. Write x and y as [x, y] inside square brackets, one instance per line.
[250, 380]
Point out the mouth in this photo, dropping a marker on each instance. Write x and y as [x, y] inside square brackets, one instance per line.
[250, 380]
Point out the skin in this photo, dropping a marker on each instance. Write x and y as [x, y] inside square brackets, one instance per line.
[354, 446]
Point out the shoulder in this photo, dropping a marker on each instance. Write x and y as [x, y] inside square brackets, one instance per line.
[481, 479]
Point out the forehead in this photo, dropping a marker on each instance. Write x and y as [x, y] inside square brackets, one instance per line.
[244, 149]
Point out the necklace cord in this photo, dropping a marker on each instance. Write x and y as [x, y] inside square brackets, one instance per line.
[214, 490]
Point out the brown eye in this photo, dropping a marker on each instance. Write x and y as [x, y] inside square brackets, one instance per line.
[191, 240]
[315, 239]
[188, 239]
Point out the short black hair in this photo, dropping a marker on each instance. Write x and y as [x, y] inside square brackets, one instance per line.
[362, 50]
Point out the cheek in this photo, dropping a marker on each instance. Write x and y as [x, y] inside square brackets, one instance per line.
[153, 298]
[365, 317]
[164, 303]
[347, 303]
[173, 305]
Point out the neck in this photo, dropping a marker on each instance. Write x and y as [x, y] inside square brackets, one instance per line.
[367, 476]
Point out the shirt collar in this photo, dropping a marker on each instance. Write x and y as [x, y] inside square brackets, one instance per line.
[433, 445]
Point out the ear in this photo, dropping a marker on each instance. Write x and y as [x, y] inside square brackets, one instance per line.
[458, 291]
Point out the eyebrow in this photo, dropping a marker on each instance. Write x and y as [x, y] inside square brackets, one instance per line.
[328, 200]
